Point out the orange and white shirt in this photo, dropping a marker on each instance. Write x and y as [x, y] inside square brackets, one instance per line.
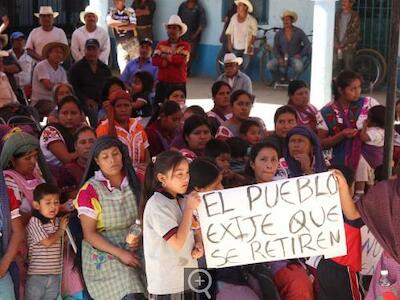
[135, 138]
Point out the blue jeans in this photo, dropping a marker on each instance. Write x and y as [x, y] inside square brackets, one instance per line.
[297, 65]
[6, 287]
[44, 287]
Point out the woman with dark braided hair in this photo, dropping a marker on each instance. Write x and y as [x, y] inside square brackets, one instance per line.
[107, 206]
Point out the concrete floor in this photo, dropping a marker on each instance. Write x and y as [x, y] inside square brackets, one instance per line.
[268, 99]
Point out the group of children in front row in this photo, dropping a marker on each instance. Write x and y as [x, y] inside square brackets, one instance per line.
[172, 238]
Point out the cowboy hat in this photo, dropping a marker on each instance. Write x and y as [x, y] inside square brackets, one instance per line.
[46, 10]
[247, 3]
[4, 40]
[47, 48]
[231, 58]
[176, 20]
[289, 13]
[88, 10]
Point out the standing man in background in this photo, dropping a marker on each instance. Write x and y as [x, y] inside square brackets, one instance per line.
[122, 20]
[347, 35]
[89, 17]
[144, 10]
[193, 15]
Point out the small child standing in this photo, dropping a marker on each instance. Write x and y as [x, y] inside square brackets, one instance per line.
[142, 87]
[220, 153]
[250, 131]
[373, 137]
[171, 235]
[45, 232]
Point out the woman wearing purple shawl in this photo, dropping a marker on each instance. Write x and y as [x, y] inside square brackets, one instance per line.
[303, 154]
[380, 211]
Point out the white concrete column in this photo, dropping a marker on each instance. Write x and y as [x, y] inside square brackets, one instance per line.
[102, 6]
[322, 52]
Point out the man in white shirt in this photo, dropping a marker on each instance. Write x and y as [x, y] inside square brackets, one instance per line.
[49, 72]
[46, 33]
[241, 32]
[90, 30]
[25, 61]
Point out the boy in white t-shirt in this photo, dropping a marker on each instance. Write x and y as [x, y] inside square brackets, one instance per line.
[373, 137]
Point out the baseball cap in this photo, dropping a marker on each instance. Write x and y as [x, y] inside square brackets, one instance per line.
[146, 41]
[92, 43]
[16, 35]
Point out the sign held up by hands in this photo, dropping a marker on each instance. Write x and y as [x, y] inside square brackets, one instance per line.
[298, 217]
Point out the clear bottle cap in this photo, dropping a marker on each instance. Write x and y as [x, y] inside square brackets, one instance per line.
[384, 272]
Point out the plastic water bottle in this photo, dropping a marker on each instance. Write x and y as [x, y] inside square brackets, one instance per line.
[134, 232]
[384, 279]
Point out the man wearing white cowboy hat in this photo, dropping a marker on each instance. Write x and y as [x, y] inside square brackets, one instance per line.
[49, 71]
[291, 49]
[122, 20]
[241, 32]
[233, 76]
[171, 57]
[46, 33]
[89, 17]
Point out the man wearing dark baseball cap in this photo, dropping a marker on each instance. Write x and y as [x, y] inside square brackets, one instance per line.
[87, 77]
[92, 43]
[24, 60]
[142, 63]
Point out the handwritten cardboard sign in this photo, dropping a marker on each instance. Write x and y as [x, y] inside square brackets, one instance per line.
[284, 219]
[371, 251]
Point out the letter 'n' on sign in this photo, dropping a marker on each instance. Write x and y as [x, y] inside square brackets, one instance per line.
[292, 218]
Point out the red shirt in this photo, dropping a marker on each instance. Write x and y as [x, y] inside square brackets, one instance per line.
[171, 60]
[353, 242]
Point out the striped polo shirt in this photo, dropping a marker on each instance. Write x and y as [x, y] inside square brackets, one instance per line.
[43, 260]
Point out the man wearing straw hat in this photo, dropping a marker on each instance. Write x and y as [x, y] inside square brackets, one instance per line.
[233, 76]
[241, 32]
[291, 49]
[171, 57]
[49, 72]
[46, 33]
[89, 17]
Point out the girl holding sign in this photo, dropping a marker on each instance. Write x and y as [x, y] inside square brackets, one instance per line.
[290, 278]
[171, 239]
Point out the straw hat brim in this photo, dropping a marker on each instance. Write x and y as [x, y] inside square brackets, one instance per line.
[183, 27]
[83, 14]
[291, 14]
[247, 3]
[55, 14]
[49, 46]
